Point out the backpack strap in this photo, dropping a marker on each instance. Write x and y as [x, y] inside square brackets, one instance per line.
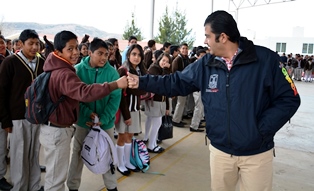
[112, 147]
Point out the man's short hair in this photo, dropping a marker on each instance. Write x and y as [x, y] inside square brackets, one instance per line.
[223, 22]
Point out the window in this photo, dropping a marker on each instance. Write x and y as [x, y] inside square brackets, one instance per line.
[307, 48]
[281, 47]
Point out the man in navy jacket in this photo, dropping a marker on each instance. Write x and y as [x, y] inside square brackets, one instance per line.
[247, 98]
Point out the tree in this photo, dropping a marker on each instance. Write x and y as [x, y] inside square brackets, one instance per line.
[132, 30]
[166, 28]
[173, 29]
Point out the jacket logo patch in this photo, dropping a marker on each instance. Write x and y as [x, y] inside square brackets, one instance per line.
[212, 84]
[285, 73]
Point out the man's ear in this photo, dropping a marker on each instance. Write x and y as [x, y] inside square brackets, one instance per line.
[89, 52]
[223, 37]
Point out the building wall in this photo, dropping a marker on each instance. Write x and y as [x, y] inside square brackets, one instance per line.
[293, 44]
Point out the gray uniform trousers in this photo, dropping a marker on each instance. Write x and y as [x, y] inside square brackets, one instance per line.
[3, 152]
[24, 156]
[198, 110]
[76, 165]
[178, 112]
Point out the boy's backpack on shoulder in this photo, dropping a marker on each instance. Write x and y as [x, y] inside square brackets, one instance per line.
[39, 105]
[139, 155]
[98, 151]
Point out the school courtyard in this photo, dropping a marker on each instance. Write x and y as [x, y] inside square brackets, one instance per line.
[184, 165]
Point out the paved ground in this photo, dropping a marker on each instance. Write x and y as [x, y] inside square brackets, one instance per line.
[185, 161]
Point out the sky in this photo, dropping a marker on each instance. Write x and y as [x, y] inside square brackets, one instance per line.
[275, 19]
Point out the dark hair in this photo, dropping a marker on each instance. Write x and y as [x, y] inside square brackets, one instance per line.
[157, 53]
[199, 51]
[42, 45]
[166, 45]
[151, 43]
[15, 41]
[27, 34]
[80, 46]
[108, 43]
[173, 48]
[162, 55]
[96, 44]
[131, 38]
[62, 38]
[8, 40]
[2, 37]
[223, 22]
[112, 40]
[141, 65]
[184, 44]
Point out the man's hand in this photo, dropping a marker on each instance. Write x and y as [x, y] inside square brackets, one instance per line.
[132, 81]
[122, 82]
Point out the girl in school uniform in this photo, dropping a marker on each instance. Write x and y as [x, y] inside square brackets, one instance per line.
[129, 122]
[158, 107]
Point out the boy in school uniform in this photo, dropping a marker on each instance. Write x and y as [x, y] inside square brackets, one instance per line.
[55, 135]
[94, 68]
[16, 73]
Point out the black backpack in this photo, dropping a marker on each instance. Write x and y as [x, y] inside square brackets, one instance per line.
[39, 105]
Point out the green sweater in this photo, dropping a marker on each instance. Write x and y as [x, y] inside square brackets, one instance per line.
[106, 107]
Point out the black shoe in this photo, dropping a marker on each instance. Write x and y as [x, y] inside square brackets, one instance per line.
[145, 141]
[196, 130]
[115, 189]
[183, 122]
[177, 124]
[41, 188]
[188, 116]
[158, 141]
[42, 168]
[201, 126]
[73, 190]
[135, 134]
[4, 185]
[157, 149]
[125, 173]
[133, 170]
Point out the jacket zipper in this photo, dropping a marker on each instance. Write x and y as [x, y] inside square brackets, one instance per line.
[95, 82]
[228, 105]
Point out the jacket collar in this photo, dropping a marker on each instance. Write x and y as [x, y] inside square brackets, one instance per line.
[246, 54]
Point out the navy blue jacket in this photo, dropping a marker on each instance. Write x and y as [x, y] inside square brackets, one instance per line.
[244, 107]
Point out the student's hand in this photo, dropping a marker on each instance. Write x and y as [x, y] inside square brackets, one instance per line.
[93, 115]
[8, 129]
[132, 81]
[89, 124]
[122, 82]
[128, 122]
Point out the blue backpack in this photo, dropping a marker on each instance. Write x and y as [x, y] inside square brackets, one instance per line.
[139, 155]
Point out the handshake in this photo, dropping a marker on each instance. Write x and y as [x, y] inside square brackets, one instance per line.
[130, 81]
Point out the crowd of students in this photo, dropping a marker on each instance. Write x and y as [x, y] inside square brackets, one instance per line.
[90, 75]
[299, 67]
